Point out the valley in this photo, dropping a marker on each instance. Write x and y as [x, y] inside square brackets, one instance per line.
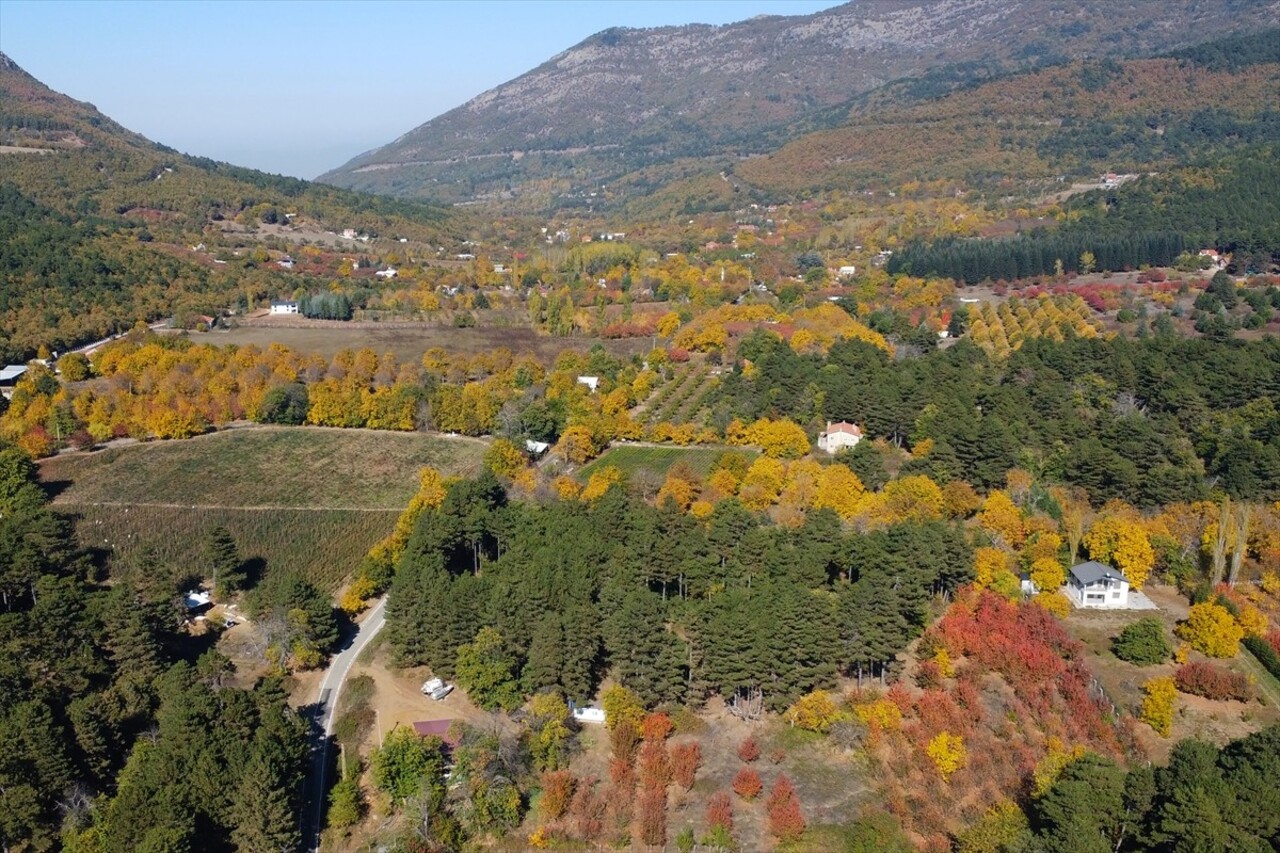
[848, 431]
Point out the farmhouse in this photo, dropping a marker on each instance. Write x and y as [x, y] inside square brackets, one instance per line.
[284, 307]
[1095, 584]
[839, 435]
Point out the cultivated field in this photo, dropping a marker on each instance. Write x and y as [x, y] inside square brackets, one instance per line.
[409, 343]
[300, 498]
[630, 458]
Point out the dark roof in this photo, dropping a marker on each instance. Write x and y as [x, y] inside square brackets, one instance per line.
[1093, 571]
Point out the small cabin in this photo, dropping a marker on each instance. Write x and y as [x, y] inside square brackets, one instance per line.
[285, 307]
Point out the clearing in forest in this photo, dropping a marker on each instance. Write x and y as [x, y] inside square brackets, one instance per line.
[306, 499]
[631, 458]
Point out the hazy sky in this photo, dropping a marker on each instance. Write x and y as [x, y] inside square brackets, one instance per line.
[301, 87]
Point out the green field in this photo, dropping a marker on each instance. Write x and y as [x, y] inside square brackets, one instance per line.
[658, 460]
[301, 498]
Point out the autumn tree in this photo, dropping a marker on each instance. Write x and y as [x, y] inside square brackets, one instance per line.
[1123, 541]
[747, 784]
[1157, 704]
[1212, 630]
[785, 819]
[948, 753]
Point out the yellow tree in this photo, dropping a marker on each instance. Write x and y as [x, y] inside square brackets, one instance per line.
[914, 498]
[948, 753]
[1123, 541]
[503, 458]
[839, 489]
[1212, 630]
[1157, 704]
[1002, 519]
[762, 484]
[577, 444]
[600, 481]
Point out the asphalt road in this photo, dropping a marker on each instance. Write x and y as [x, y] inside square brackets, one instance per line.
[322, 713]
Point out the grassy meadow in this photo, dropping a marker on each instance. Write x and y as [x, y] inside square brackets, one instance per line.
[631, 459]
[305, 499]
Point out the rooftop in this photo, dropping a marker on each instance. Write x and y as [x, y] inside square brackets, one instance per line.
[1093, 571]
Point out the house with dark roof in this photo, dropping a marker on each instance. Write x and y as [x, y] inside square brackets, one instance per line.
[1098, 585]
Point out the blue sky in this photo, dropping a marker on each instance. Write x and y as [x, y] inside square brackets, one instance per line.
[301, 87]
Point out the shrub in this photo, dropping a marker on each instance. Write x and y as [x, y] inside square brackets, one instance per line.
[1143, 642]
[685, 758]
[786, 821]
[720, 811]
[1212, 682]
[747, 784]
[749, 750]
[947, 753]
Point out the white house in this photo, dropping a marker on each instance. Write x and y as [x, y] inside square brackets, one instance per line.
[388, 273]
[1095, 584]
[590, 381]
[846, 271]
[1216, 261]
[284, 307]
[839, 435]
[536, 448]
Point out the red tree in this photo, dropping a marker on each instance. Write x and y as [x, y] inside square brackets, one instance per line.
[720, 811]
[685, 758]
[656, 726]
[654, 765]
[557, 791]
[749, 750]
[747, 784]
[786, 821]
[651, 823]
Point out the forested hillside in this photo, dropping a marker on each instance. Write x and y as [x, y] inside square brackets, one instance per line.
[120, 732]
[1232, 204]
[97, 223]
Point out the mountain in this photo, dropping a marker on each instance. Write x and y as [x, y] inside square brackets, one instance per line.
[97, 223]
[626, 100]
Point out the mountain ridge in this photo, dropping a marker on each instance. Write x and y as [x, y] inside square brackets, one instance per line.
[624, 99]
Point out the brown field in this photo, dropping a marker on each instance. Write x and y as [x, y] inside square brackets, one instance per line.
[410, 343]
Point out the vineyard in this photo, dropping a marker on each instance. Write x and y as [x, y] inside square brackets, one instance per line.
[681, 400]
[298, 498]
[631, 459]
[1002, 329]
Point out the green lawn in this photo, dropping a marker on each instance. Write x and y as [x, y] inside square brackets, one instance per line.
[658, 460]
[303, 499]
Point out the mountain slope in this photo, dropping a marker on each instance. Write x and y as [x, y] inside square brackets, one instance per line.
[96, 222]
[1076, 119]
[627, 99]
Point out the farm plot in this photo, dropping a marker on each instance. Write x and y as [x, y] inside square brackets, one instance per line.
[299, 498]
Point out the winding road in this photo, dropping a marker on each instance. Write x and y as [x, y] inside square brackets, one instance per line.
[323, 711]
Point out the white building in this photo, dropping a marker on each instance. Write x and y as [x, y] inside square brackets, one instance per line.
[284, 308]
[1095, 584]
[388, 273]
[591, 382]
[589, 715]
[839, 435]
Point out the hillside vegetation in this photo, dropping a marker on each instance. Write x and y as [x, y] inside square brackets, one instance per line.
[96, 231]
[1077, 119]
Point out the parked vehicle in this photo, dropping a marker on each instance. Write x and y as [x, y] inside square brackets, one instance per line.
[436, 689]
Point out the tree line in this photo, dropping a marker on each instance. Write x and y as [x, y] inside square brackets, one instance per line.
[676, 609]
